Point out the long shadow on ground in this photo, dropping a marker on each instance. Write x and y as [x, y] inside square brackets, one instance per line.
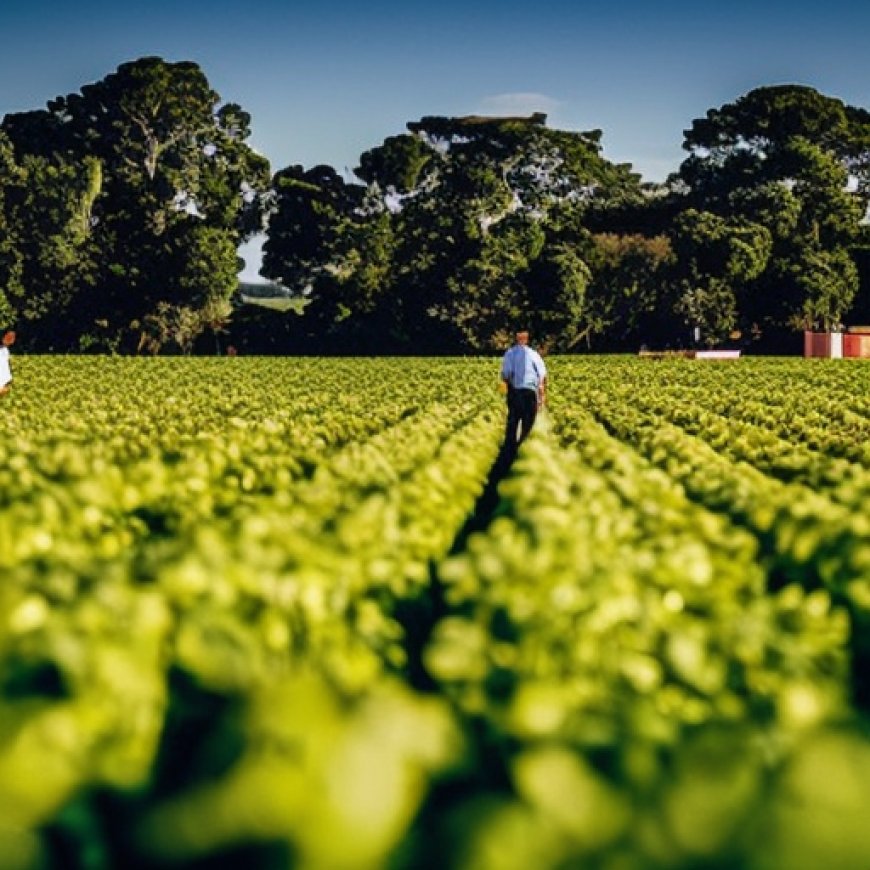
[418, 616]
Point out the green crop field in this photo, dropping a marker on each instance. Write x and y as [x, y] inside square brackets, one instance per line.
[274, 614]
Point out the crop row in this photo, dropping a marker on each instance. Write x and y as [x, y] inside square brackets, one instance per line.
[804, 534]
[653, 704]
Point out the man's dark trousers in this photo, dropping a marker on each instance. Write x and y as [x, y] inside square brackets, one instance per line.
[522, 410]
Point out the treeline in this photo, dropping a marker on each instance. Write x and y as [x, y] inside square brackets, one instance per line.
[122, 209]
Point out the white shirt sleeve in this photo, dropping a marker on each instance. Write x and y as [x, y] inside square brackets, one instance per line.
[539, 364]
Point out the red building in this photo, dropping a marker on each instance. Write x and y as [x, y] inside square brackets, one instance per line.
[854, 343]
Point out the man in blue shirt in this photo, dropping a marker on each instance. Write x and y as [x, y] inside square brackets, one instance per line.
[525, 376]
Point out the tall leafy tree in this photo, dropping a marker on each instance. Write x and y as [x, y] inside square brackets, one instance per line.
[797, 163]
[472, 224]
[494, 226]
[170, 159]
[46, 206]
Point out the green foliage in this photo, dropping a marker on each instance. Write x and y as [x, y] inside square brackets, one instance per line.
[715, 261]
[119, 178]
[396, 164]
[448, 235]
[465, 226]
[11, 177]
[826, 282]
[793, 161]
[243, 619]
[205, 278]
[47, 207]
[629, 291]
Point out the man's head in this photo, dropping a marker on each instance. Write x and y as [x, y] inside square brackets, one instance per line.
[522, 336]
[8, 338]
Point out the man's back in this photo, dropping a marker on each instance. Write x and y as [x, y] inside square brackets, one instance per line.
[523, 368]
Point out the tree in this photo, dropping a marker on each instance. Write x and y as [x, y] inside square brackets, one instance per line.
[45, 213]
[328, 241]
[462, 227]
[630, 294]
[749, 133]
[168, 160]
[797, 163]
[825, 283]
[206, 278]
[716, 259]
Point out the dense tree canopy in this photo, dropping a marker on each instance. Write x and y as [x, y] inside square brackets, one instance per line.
[792, 164]
[629, 293]
[122, 208]
[462, 227]
[134, 184]
[465, 226]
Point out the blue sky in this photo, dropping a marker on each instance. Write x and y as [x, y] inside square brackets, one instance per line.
[324, 81]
